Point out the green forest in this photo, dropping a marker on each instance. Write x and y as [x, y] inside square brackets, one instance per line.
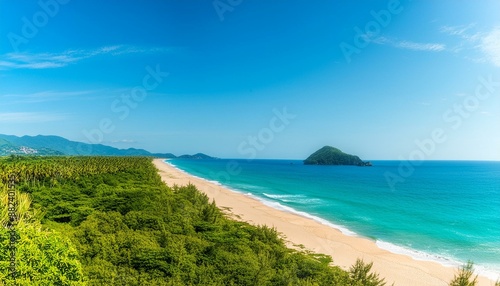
[112, 221]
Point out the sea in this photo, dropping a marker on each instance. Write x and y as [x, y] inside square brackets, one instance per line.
[443, 211]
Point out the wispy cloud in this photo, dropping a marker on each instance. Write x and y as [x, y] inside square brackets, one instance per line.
[45, 96]
[432, 47]
[486, 45]
[490, 45]
[409, 45]
[462, 31]
[57, 60]
[28, 117]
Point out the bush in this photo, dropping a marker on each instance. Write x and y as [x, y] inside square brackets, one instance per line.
[43, 257]
[463, 278]
[361, 275]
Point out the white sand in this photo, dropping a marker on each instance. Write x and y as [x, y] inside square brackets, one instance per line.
[298, 230]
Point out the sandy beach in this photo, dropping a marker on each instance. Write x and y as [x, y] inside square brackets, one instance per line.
[298, 230]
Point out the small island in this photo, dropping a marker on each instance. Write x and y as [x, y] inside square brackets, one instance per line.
[332, 156]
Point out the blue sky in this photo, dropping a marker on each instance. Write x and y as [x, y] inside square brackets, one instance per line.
[256, 79]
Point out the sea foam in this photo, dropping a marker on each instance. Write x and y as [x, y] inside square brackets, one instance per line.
[278, 206]
[487, 271]
[278, 201]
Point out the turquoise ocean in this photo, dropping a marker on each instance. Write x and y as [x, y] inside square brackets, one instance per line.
[444, 211]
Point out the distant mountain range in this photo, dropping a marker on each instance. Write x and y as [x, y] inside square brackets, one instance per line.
[55, 145]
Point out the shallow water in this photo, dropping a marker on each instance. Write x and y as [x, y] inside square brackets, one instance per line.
[446, 211]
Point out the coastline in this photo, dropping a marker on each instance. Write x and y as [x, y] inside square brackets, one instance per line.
[316, 236]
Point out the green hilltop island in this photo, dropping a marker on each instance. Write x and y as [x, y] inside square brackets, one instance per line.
[332, 156]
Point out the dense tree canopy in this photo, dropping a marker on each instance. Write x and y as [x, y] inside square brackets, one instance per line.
[112, 221]
[43, 257]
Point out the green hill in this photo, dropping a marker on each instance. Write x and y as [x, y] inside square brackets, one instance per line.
[332, 156]
[55, 145]
[195, 156]
[8, 148]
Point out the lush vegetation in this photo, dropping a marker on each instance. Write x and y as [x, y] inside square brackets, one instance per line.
[112, 221]
[332, 156]
[43, 257]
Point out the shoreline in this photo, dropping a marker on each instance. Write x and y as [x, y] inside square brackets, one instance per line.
[317, 236]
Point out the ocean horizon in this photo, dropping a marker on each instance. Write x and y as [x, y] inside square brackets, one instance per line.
[442, 211]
